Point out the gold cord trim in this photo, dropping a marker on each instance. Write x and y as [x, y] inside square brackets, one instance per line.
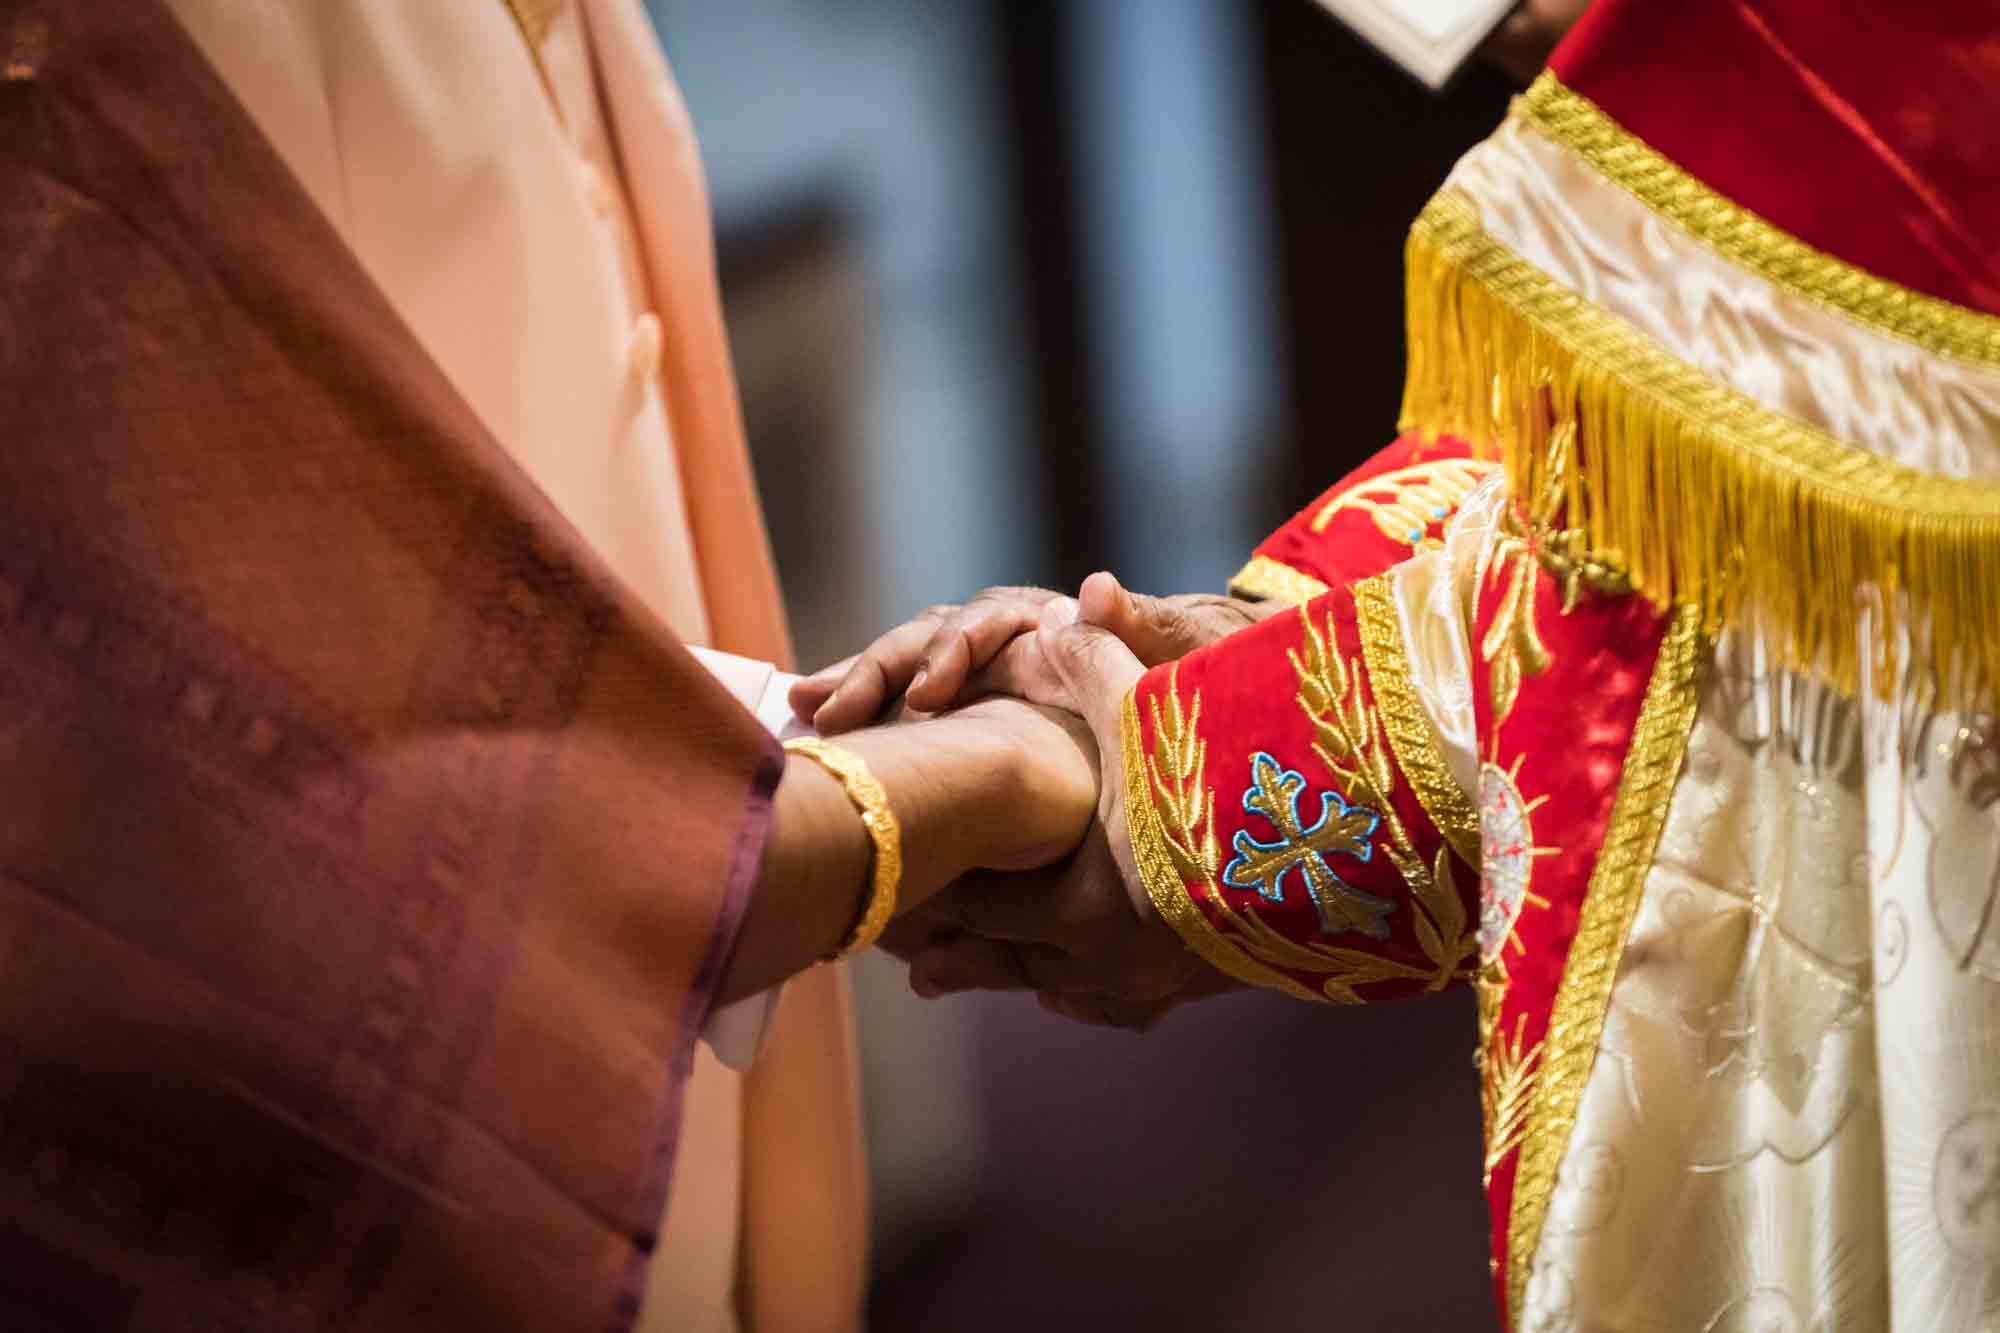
[1576, 1020]
[1749, 241]
[1697, 492]
[1267, 580]
[1408, 725]
[1161, 874]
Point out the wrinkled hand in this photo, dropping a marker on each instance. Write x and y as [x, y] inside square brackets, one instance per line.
[988, 646]
[1085, 934]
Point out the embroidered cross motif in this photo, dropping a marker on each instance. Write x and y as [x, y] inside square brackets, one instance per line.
[1341, 828]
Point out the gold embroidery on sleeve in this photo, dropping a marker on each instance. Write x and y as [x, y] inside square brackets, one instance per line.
[1406, 723]
[1170, 819]
[1576, 1020]
[1268, 580]
[1348, 740]
[1507, 1081]
[1406, 501]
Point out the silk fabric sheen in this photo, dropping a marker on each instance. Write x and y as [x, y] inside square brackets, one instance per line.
[1797, 357]
[529, 212]
[1870, 134]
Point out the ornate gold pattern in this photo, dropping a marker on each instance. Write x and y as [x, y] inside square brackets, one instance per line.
[1748, 240]
[1268, 580]
[1576, 1019]
[1406, 501]
[1169, 818]
[1405, 722]
[1348, 740]
[1705, 495]
[884, 831]
[1508, 1075]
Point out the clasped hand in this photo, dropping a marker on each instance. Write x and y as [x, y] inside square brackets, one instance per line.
[1082, 931]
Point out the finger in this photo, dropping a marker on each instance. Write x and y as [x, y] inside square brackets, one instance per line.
[809, 692]
[879, 674]
[1095, 1011]
[964, 962]
[1154, 629]
[913, 932]
[967, 962]
[1160, 629]
[1015, 907]
[1021, 671]
[969, 640]
[1095, 665]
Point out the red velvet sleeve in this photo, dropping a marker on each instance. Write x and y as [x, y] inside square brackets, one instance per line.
[1390, 507]
[1273, 802]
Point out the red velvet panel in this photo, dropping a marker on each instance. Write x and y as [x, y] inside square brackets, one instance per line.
[1868, 130]
[1351, 544]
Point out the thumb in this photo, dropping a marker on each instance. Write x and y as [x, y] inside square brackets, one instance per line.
[1154, 628]
[1095, 666]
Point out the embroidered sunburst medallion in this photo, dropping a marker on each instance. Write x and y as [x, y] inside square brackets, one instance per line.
[1507, 855]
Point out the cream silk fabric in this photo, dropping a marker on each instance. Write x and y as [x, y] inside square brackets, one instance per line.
[1793, 1120]
[1789, 353]
[541, 227]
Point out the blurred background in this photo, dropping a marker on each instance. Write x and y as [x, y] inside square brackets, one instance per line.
[1020, 289]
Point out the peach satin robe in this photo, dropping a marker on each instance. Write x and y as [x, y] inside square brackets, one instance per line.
[538, 217]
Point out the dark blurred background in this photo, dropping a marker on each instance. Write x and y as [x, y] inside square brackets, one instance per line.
[1020, 289]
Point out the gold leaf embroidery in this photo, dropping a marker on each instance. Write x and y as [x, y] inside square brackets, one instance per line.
[1406, 502]
[1529, 543]
[1506, 1090]
[1350, 742]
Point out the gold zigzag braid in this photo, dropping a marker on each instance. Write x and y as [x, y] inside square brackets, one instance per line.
[1700, 493]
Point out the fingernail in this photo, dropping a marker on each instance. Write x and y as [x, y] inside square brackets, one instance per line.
[917, 680]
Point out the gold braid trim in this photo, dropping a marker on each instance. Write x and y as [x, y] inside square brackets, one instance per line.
[1160, 870]
[1408, 725]
[1748, 240]
[1268, 580]
[1576, 1019]
[1700, 493]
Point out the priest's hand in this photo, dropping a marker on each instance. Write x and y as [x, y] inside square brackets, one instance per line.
[949, 654]
[1084, 935]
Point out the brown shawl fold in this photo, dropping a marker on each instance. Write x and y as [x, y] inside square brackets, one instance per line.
[368, 857]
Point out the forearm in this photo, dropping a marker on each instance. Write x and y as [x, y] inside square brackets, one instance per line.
[944, 779]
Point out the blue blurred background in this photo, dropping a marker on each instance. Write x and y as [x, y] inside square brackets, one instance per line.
[1020, 289]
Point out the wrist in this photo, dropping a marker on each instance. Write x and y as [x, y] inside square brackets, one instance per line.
[982, 769]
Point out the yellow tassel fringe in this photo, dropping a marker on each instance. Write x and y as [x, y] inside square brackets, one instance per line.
[1700, 493]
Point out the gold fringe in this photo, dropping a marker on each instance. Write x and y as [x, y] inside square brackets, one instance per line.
[1700, 493]
[1747, 240]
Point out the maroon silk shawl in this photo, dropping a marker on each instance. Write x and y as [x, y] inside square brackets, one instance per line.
[368, 855]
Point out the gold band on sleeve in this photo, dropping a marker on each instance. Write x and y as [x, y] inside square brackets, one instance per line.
[883, 830]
